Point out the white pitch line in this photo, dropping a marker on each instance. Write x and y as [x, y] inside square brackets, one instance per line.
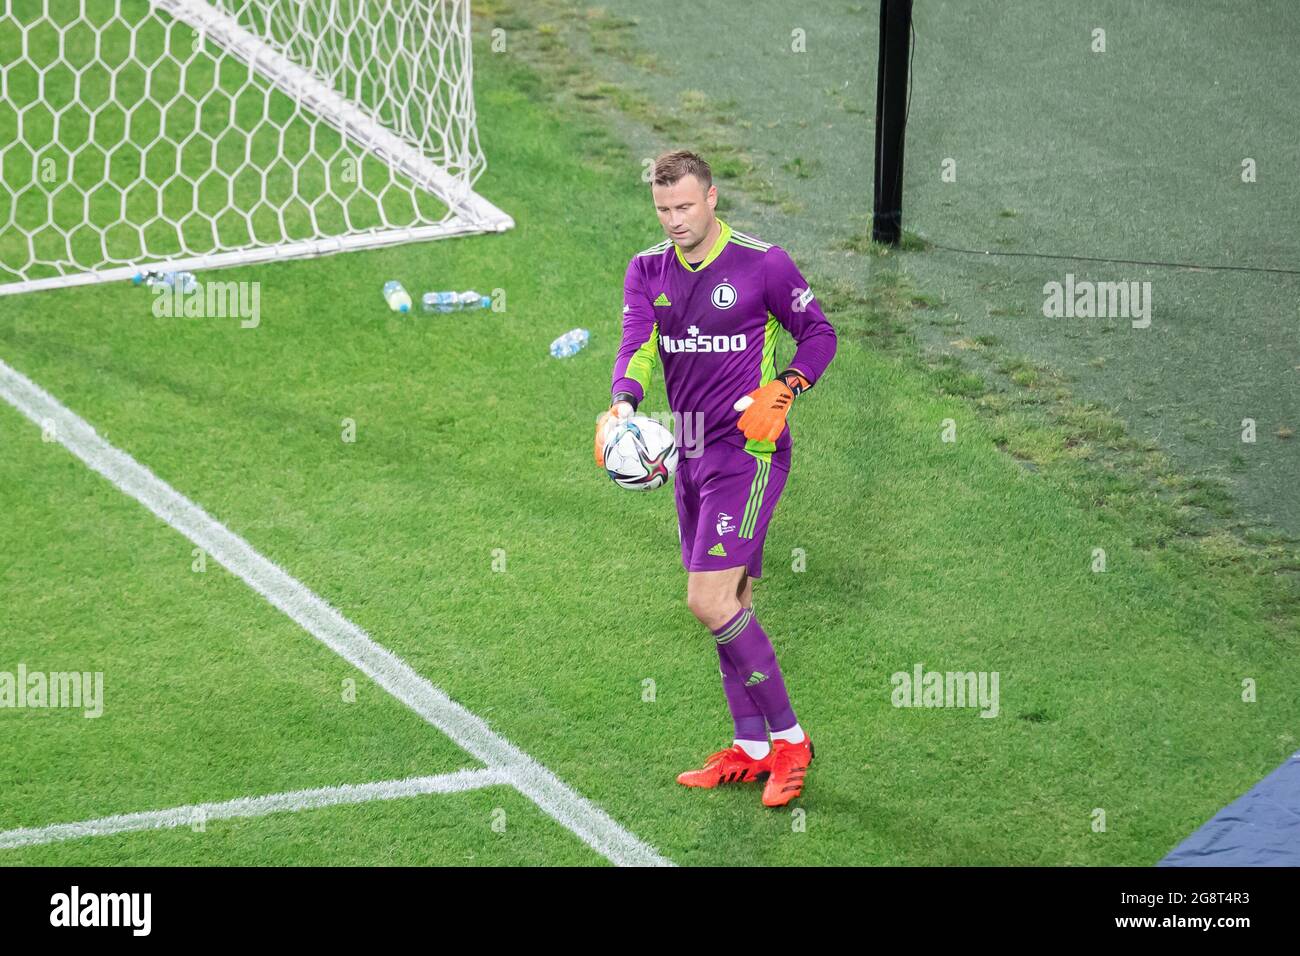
[458, 782]
[591, 824]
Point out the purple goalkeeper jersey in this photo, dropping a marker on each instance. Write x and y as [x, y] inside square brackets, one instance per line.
[715, 326]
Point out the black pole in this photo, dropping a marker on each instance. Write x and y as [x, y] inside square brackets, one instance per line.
[891, 119]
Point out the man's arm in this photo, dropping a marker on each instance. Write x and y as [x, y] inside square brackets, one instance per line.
[635, 362]
[792, 302]
[639, 350]
[788, 297]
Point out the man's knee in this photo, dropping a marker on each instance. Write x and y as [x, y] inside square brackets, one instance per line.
[702, 604]
[713, 602]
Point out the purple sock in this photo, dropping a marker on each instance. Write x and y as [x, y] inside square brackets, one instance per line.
[743, 642]
[746, 716]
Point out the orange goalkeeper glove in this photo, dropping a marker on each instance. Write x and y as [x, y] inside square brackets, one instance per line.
[764, 409]
[619, 412]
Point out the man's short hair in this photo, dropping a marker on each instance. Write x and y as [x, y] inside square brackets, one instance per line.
[670, 167]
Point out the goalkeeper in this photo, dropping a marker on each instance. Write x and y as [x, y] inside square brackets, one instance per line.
[710, 302]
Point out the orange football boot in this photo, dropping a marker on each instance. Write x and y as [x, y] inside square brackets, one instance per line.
[788, 762]
[732, 765]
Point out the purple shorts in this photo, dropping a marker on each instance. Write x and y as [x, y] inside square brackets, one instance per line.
[725, 498]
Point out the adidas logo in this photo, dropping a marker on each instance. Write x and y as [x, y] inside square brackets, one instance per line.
[755, 678]
[663, 299]
[718, 551]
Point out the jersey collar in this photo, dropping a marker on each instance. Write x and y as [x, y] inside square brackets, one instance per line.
[724, 235]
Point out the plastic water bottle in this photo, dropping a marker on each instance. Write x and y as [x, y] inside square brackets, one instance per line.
[570, 343]
[437, 301]
[187, 281]
[398, 299]
[453, 301]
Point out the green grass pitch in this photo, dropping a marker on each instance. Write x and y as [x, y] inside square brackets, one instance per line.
[1119, 691]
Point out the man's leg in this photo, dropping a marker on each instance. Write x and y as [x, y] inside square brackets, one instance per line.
[713, 598]
[746, 715]
[742, 641]
[739, 490]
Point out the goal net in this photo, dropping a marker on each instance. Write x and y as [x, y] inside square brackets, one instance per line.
[196, 134]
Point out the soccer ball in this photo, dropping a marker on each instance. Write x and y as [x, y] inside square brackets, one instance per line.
[641, 454]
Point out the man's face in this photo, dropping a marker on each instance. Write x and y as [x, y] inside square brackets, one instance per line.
[685, 210]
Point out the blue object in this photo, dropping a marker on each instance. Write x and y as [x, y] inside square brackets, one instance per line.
[187, 281]
[453, 301]
[398, 299]
[570, 343]
[1259, 828]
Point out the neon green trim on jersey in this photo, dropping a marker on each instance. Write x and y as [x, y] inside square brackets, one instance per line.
[766, 373]
[723, 238]
[641, 366]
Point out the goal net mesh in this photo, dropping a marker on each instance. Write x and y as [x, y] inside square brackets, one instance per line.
[204, 133]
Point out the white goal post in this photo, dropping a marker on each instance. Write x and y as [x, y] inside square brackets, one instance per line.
[198, 134]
